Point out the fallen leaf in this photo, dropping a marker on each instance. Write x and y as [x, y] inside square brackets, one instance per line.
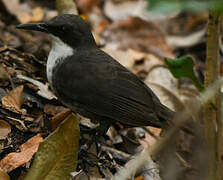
[57, 154]
[14, 100]
[126, 57]
[52, 109]
[5, 129]
[14, 160]
[58, 118]
[140, 35]
[165, 86]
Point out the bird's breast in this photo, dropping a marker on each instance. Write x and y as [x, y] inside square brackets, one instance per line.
[59, 52]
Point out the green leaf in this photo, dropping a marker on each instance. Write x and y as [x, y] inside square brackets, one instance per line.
[164, 6]
[184, 67]
[185, 5]
[57, 154]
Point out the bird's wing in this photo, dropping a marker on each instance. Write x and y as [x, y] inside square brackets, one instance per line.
[96, 83]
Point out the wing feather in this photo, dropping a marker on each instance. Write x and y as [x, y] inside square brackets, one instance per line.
[93, 83]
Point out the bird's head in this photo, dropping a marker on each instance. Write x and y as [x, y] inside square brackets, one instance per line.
[71, 29]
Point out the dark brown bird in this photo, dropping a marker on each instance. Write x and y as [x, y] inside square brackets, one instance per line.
[92, 83]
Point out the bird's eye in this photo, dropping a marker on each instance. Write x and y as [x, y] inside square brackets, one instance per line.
[64, 28]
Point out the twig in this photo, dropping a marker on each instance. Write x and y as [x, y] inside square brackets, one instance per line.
[123, 155]
[212, 112]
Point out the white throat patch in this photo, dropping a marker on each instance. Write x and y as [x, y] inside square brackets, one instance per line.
[58, 53]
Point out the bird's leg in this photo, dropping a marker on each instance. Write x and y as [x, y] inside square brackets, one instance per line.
[105, 123]
[102, 129]
[98, 132]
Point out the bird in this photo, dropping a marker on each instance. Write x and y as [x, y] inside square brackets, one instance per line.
[92, 83]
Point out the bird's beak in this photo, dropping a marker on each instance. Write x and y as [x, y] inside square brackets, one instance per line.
[34, 26]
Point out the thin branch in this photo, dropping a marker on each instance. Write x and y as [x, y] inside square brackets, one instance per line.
[212, 112]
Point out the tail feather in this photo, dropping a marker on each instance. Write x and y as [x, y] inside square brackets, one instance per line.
[168, 117]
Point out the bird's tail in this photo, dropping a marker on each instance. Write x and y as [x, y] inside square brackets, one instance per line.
[170, 117]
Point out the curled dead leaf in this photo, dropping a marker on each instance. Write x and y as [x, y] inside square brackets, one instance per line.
[5, 129]
[58, 118]
[52, 109]
[14, 100]
[14, 160]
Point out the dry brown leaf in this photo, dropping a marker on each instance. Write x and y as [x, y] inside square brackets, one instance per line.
[5, 129]
[14, 160]
[14, 100]
[140, 35]
[126, 57]
[52, 109]
[58, 118]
